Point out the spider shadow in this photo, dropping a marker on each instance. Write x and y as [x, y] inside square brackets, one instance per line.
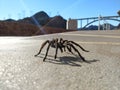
[67, 60]
[73, 61]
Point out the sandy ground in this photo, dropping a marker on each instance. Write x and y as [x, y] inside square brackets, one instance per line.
[20, 70]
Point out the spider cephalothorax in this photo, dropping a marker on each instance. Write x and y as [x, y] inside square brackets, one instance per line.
[62, 45]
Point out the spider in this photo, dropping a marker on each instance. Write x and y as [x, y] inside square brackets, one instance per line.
[62, 45]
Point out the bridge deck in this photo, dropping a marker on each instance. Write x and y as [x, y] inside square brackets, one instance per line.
[104, 17]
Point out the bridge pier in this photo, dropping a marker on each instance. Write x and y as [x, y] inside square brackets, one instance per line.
[72, 24]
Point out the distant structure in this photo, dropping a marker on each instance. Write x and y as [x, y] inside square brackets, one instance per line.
[71, 24]
[90, 20]
[106, 25]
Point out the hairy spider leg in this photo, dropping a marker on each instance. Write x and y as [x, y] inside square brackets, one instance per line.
[47, 50]
[43, 44]
[61, 40]
[60, 47]
[69, 49]
[67, 46]
[77, 52]
[56, 51]
[79, 46]
[56, 46]
[64, 43]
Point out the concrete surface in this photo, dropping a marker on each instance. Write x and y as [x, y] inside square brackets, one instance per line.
[20, 70]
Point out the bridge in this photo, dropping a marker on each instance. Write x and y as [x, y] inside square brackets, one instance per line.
[95, 19]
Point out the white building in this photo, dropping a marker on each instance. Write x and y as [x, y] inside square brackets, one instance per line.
[71, 24]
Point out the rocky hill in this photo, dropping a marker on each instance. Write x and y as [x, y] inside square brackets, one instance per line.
[57, 22]
[40, 18]
[33, 25]
[25, 29]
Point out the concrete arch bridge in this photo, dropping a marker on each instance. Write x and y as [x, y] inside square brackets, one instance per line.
[95, 19]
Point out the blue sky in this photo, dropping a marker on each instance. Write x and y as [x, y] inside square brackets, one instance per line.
[17, 9]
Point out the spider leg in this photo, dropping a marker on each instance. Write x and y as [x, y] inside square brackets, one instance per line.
[64, 49]
[56, 46]
[65, 44]
[60, 47]
[43, 44]
[69, 49]
[61, 40]
[77, 52]
[79, 46]
[47, 51]
[56, 51]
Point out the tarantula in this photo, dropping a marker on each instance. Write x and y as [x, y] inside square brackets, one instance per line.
[62, 45]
